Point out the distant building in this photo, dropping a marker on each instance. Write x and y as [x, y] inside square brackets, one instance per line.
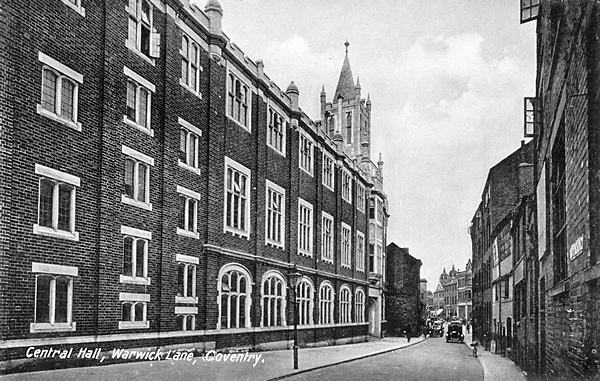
[404, 309]
[452, 296]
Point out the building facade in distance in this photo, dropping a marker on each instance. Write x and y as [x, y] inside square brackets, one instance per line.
[158, 188]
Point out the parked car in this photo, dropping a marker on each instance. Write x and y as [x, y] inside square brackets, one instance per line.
[455, 332]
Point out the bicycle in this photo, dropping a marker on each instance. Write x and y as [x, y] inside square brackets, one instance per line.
[475, 345]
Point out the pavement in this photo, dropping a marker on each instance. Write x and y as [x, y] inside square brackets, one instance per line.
[271, 365]
[495, 367]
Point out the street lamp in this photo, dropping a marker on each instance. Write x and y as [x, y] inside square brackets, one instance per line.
[294, 279]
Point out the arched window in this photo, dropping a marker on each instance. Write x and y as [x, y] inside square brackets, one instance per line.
[190, 64]
[234, 297]
[345, 304]
[359, 306]
[304, 296]
[273, 299]
[326, 295]
[238, 100]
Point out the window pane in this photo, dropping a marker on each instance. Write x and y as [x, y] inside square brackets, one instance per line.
[191, 214]
[180, 278]
[182, 200]
[193, 141]
[139, 258]
[128, 178]
[141, 190]
[132, 30]
[180, 322]
[193, 74]
[68, 93]
[45, 212]
[233, 311]
[139, 312]
[190, 281]
[64, 207]
[49, 90]
[127, 256]
[42, 305]
[131, 100]
[143, 116]
[60, 308]
[224, 307]
[184, 70]
[183, 145]
[126, 312]
[145, 39]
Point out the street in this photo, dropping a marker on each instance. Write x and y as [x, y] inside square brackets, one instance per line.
[433, 359]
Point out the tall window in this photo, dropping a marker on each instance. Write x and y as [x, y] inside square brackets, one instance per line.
[135, 257]
[188, 212]
[304, 295]
[234, 297]
[345, 305]
[59, 95]
[305, 226]
[136, 180]
[379, 211]
[360, 197]
[349, 128]
[238, 95]
[276, 131]
[346, 245]
[237, 198]
[306, 154]
[138, 104]
[327, 238]
[186, 282]
[56, 203]
[372, 208]
[359, 306]
[360, 251]
[326, 303]
[559, 220]
[275, 221]
[190, 64]
[328, 171]
[273, 300]
[53, 297]
[347, 186]
[189, 142]
[371, 258]
[140, 35]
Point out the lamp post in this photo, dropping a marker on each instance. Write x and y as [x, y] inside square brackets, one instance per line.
[294, 279]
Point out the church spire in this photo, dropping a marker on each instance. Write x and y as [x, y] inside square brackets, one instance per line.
[345, 86]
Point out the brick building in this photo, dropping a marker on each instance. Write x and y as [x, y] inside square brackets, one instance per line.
[507, 182]
[453, 293]
[158, 187]
[562, 118]
[404, 308]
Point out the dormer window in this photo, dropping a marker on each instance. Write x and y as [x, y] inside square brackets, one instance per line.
[530, 10]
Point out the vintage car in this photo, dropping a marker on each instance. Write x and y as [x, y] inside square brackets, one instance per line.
[437, 329]
[455, 332]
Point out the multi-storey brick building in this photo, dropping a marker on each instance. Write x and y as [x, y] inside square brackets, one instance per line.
[563, 118]
[454, 293]
[507, 182]
[158, 187]
[404, 308]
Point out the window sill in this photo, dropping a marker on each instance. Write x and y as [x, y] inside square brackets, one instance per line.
[240, 233]
[80, 9]
[74, 125]
[275, 244]
[47, 327]
[189, 167]
[139, 204]
[306, 171]
[134, 280]
[327, 260]
[280, 152]
[147, 131]
[239, 124]
[345, 266]
[49, 232]
[133, 48]
[186, 299]
[187, 233]
[134, 324]
[305, 253]
[191, 90]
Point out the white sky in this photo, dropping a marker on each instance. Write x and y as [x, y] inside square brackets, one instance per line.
[447, 80]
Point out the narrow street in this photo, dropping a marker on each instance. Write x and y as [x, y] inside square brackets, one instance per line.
[433, 359]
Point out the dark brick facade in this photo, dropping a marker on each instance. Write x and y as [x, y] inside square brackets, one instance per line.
[403, 306]
[93, 44]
